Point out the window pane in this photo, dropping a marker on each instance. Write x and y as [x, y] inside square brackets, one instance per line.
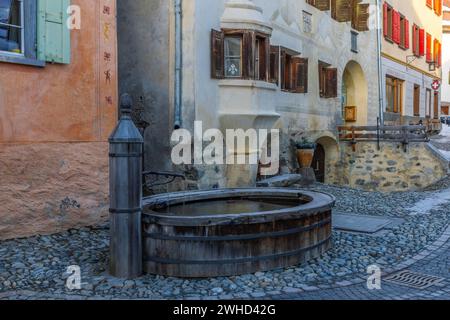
[233, 67]
[10, 26]
[10, 39]
[233, 56]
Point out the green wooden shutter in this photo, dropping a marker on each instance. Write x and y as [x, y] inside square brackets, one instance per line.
[53, 36]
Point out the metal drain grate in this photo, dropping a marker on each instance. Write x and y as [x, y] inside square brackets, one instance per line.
[414, 280]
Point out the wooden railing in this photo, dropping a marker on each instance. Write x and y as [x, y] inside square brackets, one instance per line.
[400, 134]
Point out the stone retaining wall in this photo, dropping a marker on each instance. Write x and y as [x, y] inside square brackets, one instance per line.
[389, 169]
[50, 187]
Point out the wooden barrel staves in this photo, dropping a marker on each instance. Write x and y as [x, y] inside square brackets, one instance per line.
[295, 227]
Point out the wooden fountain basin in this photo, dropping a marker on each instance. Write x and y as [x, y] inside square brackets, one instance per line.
[234, 231]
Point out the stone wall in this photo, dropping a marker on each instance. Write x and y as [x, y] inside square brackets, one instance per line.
[51, 187]
[390, 168]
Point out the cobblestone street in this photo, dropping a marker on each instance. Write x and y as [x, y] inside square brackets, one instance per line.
[35, 268]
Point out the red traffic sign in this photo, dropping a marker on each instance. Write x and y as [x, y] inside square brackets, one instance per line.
[436, 85]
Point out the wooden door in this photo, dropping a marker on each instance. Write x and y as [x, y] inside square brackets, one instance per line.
[436, 105]
[319, 163]
[416, 101]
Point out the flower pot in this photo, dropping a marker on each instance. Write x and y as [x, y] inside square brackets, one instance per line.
[305, 157]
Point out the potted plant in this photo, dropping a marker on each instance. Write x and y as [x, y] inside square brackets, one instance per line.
[305, 152]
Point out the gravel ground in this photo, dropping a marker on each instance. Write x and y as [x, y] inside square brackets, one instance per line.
[38, 264]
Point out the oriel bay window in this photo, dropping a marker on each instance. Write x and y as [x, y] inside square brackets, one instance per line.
[33, 32]
[240, 54]
[394, 95]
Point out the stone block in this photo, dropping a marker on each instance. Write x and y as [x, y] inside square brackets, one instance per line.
[283, 181]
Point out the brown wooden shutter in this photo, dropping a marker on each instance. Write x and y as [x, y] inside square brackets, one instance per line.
[217, 55]
[331, 83]
[274, 64]
[342, 10]
[248, 55]
[300, 75]
[265, 62]
[361, 17]
[322, 5]
[322, 79]
[283, 69]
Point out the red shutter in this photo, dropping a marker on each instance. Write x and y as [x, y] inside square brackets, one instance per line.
[439, 55]
[421, 42]
[406, 33]
[414, 40]
[394, 26]
[429, 52]
[385, 19]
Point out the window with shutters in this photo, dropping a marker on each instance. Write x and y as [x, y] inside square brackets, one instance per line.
[34, 32]
[394, 95]
[294, 72]
[240, 54]
[327, 80]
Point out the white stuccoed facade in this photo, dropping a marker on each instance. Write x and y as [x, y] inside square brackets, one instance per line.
[231, 103]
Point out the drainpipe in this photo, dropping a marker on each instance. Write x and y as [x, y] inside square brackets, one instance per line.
[178, 63]
[380, 70]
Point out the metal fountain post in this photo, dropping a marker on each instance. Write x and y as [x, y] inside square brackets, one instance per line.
[125, 176]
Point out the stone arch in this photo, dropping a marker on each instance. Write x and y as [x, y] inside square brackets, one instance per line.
[355, 92]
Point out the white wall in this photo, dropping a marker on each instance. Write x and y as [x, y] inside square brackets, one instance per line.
[329, 41]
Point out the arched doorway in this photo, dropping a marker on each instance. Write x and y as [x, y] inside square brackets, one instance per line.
[325, 159]
[319, 163]
[354, 95]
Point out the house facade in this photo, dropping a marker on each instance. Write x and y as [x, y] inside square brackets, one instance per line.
[58, 105]
[445, 99]
[412, 60]
[303, 67]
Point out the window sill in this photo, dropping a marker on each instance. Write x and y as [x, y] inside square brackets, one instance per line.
[248, 84]
[21, 60]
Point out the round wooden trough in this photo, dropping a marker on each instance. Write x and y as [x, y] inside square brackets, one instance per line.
[234, 231]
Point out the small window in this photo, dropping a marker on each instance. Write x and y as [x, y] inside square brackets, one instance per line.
[12, 27]
[307, 22]
[233, 57]
[354, 37]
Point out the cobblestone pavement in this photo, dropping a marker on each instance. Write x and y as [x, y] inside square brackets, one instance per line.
[35, 268]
